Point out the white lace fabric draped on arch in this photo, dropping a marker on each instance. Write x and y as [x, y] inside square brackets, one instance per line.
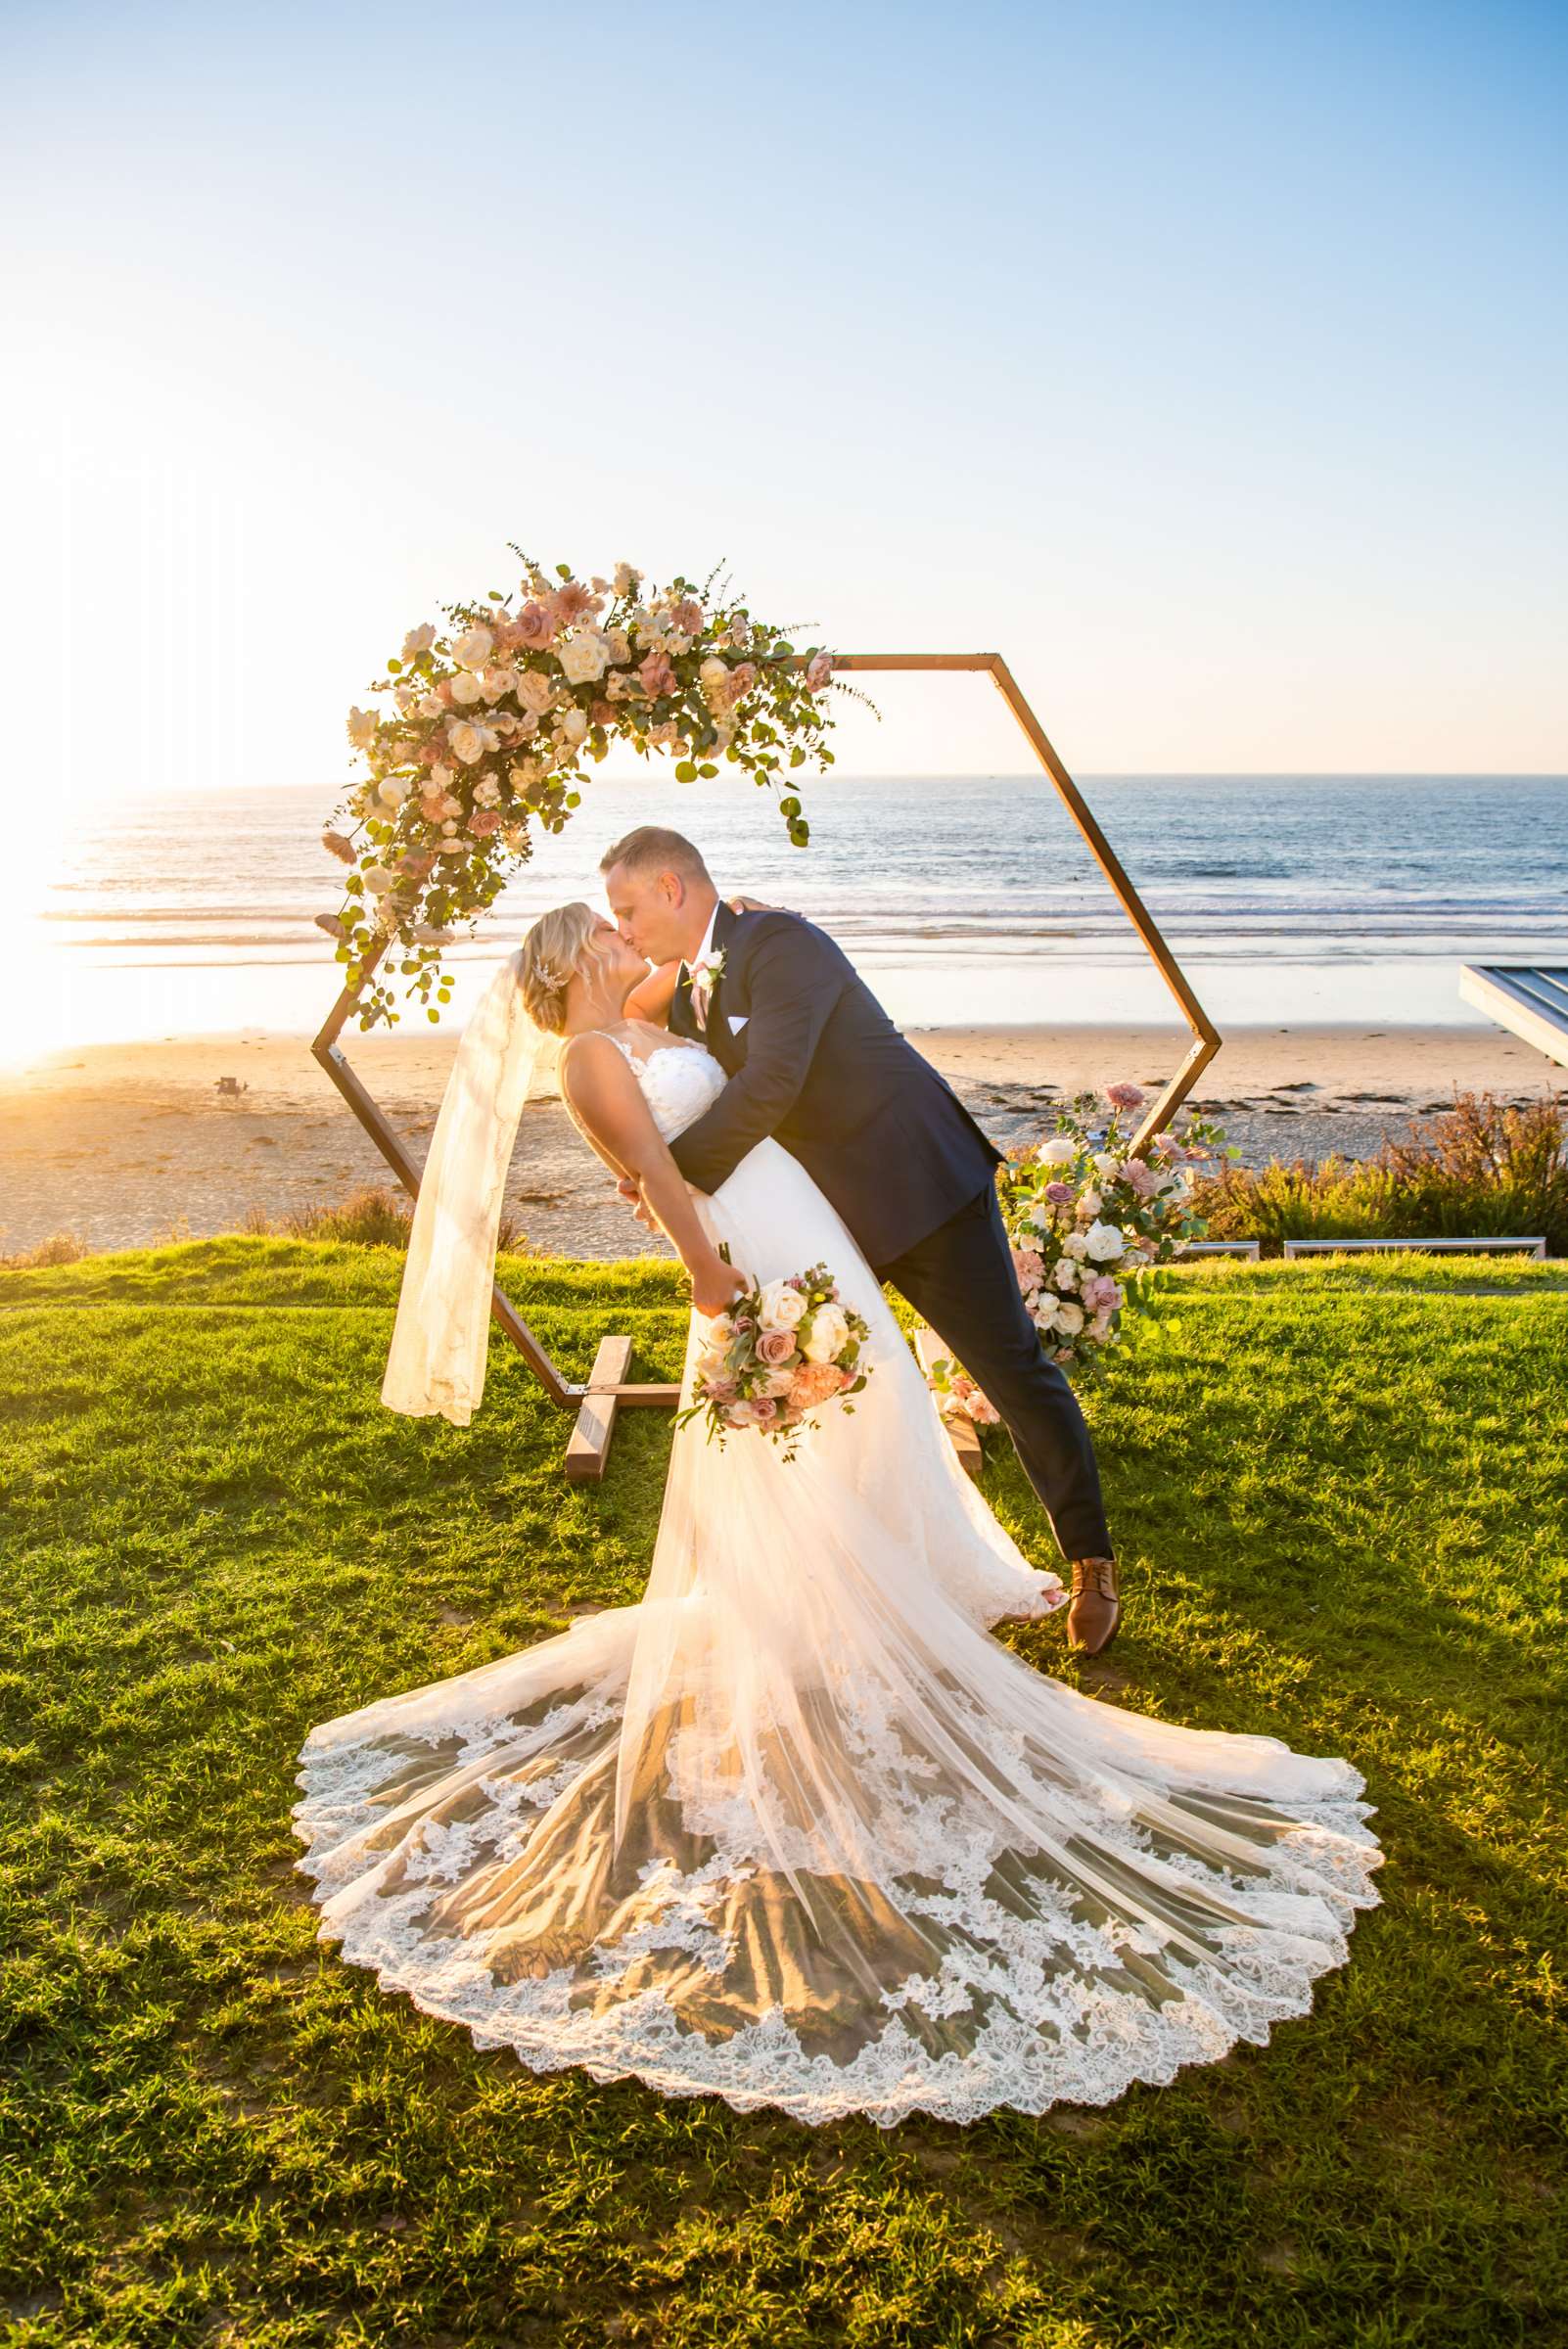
[795, 1831]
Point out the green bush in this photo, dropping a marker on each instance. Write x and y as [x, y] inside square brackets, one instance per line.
[1479, 1170]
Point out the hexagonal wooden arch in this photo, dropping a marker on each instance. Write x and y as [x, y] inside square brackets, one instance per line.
[597, 1400]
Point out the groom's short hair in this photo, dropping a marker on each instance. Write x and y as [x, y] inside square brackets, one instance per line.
[653, 848]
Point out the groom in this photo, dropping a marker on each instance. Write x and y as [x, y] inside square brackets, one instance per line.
[813, 1060]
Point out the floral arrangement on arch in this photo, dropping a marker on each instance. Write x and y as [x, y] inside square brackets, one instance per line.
[1089, 1224]
[485, 725]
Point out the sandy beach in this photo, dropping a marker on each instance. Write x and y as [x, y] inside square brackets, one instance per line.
[129, 1143]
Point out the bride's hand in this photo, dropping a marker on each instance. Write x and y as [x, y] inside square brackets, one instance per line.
[715, 1287]
[756, 905]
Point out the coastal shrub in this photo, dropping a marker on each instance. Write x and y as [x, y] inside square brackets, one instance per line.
[61, 1247]
[372, 1217]
[1479, 1170]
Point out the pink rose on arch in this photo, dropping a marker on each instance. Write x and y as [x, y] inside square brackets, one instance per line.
[819, 671]
[1125, 1096]
[687, 617]
[657, 675]
[765, 1410]
[533, 627]
[603, 713]
[1060, 1194]
[487, 822]
[775, 1347]
[741, 680]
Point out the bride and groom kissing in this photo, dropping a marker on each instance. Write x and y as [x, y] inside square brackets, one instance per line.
[812, 1060]
[794, 1829]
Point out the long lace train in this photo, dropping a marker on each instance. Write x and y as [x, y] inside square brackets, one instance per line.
[795, 1831]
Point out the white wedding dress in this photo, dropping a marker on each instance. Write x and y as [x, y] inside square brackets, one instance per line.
[795, 1831]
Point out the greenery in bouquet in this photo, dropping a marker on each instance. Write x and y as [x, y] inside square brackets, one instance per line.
[776, 1358]
[482, 728]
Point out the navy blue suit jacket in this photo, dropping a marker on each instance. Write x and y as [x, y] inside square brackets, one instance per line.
[821, 1068]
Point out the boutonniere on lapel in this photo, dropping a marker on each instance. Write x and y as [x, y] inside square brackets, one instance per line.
[706, 973]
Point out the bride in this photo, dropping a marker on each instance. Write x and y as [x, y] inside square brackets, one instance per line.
[794, 1830]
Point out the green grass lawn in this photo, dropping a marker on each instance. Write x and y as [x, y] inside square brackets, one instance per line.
[1339, 1492]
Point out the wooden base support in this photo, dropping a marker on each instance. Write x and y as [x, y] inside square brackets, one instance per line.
[588, 1453]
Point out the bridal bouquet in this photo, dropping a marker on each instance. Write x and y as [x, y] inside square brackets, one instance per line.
[778, 1355]
[1088, 1221]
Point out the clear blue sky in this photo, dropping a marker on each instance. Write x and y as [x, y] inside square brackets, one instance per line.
[1211, 362]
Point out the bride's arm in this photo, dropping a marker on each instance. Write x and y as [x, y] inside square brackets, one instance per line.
[607, 1105]
[650, 999]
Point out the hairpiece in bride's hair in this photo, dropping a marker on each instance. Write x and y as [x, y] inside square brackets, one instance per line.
[556, 981]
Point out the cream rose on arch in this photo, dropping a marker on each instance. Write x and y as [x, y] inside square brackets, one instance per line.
[583, 657]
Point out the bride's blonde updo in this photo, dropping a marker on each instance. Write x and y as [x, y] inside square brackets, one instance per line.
[555, 950]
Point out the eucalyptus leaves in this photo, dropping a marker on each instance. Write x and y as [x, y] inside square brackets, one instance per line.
[483, 730]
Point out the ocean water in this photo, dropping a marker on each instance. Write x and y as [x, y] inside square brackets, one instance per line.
[966, 900]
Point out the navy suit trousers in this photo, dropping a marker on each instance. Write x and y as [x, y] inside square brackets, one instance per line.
[960, 1279]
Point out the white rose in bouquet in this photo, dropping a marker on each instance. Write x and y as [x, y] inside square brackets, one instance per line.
[1065, 1274]
[1076, 1245]
[1090, 1204]
[618, 644]
[472, 648]
[782, 1307]
[431, 705]
[829, 1332]
[1057, 1152]
[1068, 1319]
[628, 580]
[536, 691]
[498, 682]
[1107, 1165]
[378, 879]
[419, 640]
[467, 689]
[393, 791]
[584, 657]
[1103, 1243]
[467, 741]
[1044, 1311]
[573, 724]
[362, 724]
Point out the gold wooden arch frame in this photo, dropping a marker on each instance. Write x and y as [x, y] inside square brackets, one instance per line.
[607, 1389]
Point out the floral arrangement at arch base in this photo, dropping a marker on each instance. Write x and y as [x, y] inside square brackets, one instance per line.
[1090, 1226]
[484, 727]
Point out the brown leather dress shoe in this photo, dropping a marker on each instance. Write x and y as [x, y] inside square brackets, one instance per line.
[1094, 1613]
